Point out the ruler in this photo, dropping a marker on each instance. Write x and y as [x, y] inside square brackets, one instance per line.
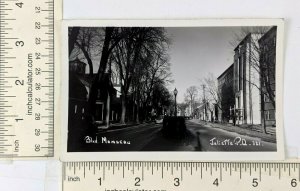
[172, 176]
[26, 78]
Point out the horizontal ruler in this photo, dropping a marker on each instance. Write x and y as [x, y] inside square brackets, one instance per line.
[26, 78]
[172, 176]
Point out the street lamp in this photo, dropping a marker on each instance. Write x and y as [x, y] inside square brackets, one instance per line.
[175, 94]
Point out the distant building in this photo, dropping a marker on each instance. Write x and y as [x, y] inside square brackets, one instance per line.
[188, 111]
[226, 91]
[267, 45]
[206, 112]
[247, 81]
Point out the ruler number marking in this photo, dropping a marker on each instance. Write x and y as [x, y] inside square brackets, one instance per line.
[37, 147]
[37, 132]
[37, 25]
[294, 182]
[20, 5]
[19, 82]
[37, 41]
[100, 181]
[254, 182]
[37, 9]
[176, 182]
[137, 181]
[19, 43]
[216, 182]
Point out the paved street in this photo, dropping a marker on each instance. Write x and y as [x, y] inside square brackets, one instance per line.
[148, 137]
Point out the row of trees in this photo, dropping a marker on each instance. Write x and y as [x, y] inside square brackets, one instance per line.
[139, 58]
[205, 94]
[208, 96]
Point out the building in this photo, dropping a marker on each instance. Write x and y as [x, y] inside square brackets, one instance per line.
[267, 44]
[79, 93]
[226, 95]
[246, 81]
[206, 112]
[77, 66]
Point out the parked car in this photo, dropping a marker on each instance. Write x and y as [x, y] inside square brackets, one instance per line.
[174, 127]
[159, 119]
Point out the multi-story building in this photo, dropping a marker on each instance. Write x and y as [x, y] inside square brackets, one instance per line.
[267, 44]
[80, 90]
[246, 81]
[226, 95]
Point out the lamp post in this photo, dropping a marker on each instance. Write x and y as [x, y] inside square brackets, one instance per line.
[175, 94]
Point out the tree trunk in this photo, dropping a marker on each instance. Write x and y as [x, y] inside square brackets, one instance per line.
[263, 115]
[99, 77]
[73, 38]
[107, 110]
[137, 118]
[89, 60]
[123, 114]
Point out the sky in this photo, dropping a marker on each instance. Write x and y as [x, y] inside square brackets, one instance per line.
[195, 52]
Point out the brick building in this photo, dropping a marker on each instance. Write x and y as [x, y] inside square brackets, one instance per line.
[226, 94]
[267, 45]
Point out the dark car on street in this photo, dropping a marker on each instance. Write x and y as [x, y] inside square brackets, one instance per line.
[174, 126]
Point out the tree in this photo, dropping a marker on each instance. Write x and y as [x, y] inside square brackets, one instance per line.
[211, 87]
[89, 42]
[162, 98]
[73, 33]
[182, 107]
[112, 37]
[190, 97]
[132, 56]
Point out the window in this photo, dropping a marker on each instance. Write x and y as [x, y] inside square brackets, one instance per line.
[240, 72]
[267, 115]
[75, 109]
[98, 95]
[99, 111]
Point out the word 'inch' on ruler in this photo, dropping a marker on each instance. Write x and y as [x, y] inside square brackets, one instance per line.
[192, 176]
[26, 78]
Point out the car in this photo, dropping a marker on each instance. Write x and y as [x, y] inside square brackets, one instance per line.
[159, 119]
[174, 126]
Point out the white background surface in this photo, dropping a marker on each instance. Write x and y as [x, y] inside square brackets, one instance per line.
[44, 175]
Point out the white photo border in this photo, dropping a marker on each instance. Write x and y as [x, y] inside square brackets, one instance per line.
[179, 155]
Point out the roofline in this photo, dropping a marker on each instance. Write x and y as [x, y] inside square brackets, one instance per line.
[225, 71]
[242, 41]
[273, 28]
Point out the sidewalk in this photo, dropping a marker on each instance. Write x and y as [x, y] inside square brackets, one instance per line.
[114, 126]
[252, 131]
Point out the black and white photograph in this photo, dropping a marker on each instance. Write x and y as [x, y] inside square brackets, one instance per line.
[197, 89]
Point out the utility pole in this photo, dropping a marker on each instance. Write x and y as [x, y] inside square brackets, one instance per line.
[204, 100]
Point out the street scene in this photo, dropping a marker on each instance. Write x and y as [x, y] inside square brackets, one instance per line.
[202, 89]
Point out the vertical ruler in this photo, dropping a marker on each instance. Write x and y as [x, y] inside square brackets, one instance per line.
[26, 78]
[172, 176]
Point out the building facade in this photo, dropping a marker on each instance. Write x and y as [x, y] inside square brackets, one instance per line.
[267, 45]
[246, 81]
[107, 99]
[206, 112]
[226, 95]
